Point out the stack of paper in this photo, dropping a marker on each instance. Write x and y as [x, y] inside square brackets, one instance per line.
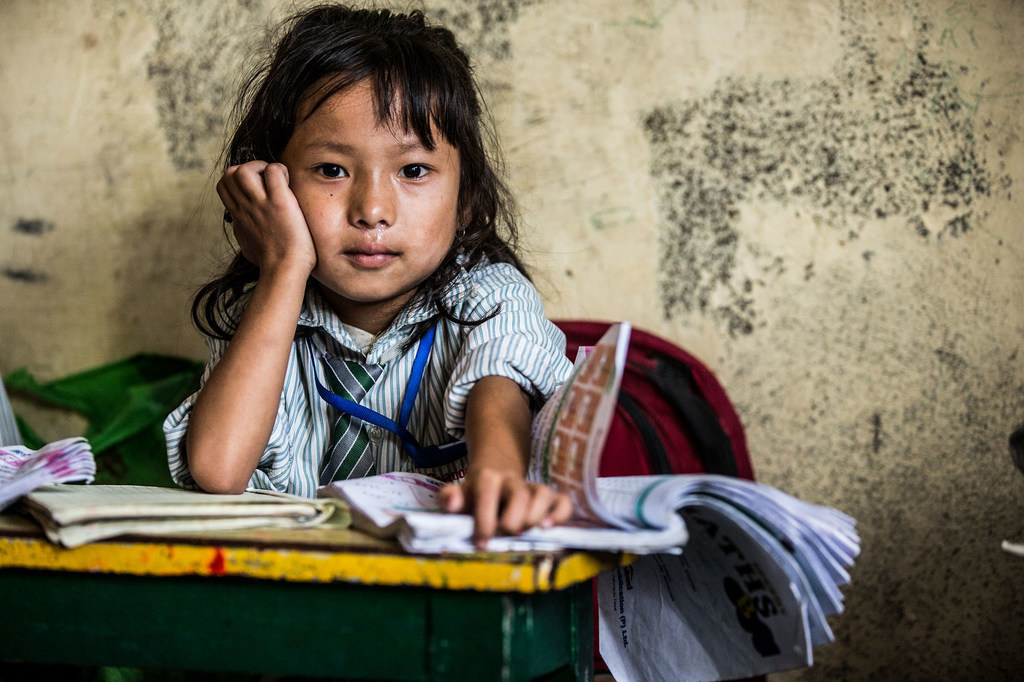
[74, 515]
[23, 470]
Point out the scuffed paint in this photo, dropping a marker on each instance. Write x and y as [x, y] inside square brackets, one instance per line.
[216, 565]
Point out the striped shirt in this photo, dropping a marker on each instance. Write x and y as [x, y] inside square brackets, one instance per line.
[518, 343]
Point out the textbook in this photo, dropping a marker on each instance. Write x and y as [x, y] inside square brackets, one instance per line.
[734, 578]
[72, 515]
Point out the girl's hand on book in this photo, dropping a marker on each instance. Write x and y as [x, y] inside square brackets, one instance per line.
[265, 216]
[503, 502]
[495, 490]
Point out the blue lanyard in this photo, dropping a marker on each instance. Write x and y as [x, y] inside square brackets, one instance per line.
[426, 457]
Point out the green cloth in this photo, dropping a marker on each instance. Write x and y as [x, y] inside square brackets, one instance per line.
[124, 403]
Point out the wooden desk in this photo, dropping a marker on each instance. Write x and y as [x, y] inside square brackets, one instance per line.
[315, 602]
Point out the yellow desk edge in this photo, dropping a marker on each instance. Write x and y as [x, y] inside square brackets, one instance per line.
[151, 557]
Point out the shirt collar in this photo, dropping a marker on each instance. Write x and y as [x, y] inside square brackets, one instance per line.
[317, 314]
[416, 312]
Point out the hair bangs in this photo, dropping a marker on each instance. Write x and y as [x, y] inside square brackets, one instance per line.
[405, 99]
[405, 89]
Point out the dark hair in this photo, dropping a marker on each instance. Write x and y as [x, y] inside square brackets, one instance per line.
[423, 82]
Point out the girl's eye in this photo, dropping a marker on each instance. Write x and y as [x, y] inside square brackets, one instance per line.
[413, 170]
[331, 170]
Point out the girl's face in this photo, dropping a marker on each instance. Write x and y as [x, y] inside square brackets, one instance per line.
[381, 207]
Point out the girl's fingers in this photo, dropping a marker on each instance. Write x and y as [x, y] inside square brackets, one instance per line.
[279, 193]
[275, 180]
[225, 195]
[497, 504]
[540, 505]
[516, 513]
[265, 216]
[486, 500]
[248, 181]
[241, 184]
[547, 508]
[451, 497]
[560, 512]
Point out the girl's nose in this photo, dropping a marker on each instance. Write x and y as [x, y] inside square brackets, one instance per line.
[371, 203]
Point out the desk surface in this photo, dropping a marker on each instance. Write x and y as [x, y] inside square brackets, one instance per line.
[321, 554]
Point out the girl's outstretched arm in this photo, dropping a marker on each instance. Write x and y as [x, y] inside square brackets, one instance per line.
[495, 489]
[234, 414]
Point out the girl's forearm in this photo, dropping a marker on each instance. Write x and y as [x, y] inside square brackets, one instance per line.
[234, 413]
[498, 426]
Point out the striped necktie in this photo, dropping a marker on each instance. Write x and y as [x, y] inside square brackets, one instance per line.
[349, 455]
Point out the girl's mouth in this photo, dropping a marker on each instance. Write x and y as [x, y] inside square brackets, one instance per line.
[370, 258]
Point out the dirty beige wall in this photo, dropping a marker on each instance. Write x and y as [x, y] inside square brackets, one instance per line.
[820, 199]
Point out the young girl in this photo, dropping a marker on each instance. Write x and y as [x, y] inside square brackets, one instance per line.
[375, 318]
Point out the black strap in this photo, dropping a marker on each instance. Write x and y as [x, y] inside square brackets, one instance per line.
[656, 456]
[711, 442]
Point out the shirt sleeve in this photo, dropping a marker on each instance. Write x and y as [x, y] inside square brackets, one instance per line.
[518, 342]
[176, 424]
[274, 469]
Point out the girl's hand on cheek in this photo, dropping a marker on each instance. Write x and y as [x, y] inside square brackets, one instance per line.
[267, 221]
[503, 502]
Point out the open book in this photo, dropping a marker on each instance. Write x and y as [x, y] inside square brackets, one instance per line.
[737, 578]
[73, 515]
[406, 506]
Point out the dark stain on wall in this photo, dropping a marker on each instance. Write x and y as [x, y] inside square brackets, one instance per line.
[32, 226]
[481, 26]
[192, 72]
[861, 145]
[24, 275]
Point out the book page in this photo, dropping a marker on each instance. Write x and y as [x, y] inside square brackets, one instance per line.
[82, 533]
[730, 606]
[570, 431]
[379, 502]
[637, 499]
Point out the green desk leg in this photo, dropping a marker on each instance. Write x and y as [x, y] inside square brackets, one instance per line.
[286, 628]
